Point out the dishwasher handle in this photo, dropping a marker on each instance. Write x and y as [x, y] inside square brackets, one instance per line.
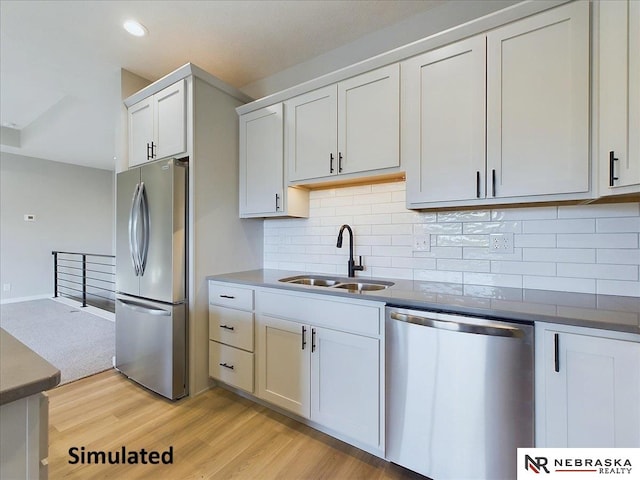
[492, 330]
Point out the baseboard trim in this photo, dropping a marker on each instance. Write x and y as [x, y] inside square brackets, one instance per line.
[89, 309]
[24, 299]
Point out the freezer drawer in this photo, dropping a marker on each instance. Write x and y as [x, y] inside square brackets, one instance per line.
[151, 344]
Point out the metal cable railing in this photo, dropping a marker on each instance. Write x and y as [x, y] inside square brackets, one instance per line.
[85, 277]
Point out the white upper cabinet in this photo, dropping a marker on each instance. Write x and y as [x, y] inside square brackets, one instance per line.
[536, 121]
[619, 97]
[157, 125]
[538, 104]
[348, 128]
[443, 128]
[262, 183]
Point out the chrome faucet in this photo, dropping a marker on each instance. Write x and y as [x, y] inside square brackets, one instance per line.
[351, 265]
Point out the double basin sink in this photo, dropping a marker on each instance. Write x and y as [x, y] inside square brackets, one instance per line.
[350, 284]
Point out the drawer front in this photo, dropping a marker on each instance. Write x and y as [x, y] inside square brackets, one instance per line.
[229, 295]
[231, 366]
[231, 327]
[327, 311]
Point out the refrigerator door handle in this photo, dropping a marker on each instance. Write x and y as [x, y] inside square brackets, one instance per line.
[141, 308]
[133, 220]
[144, 211]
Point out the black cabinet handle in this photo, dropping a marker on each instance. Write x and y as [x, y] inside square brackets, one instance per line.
[149, 151]
[227, 296]
[339, 162]
[331, 163]
[313, 340]
[230, 367]
[277, 202]
[556, 352]
[227, 327]
[153, 150]
[304, 336]
[493, 182]
[612, 160]
[478, 184]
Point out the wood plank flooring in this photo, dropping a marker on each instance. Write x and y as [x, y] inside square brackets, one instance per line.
[216, 435]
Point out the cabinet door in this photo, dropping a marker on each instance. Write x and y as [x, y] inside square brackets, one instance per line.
[283, 363]
[619, 99]
[170, 121]
[261, 161]
[311, 134]
[140, 131]
[538, 104]
[443, 123]
[593, 393]
[369, 121]
[345, 384]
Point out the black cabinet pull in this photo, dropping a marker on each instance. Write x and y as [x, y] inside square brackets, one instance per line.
[612, 160]
[304, 337]
[149, 151]
[227, 296]
[493, 182]
[313, 340]
[331, 163]
[339, 162]
[277, 202]
[556, 352]
[478, 184]
[230, 367]
[227, 327]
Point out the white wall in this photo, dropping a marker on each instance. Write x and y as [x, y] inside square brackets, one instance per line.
[73, 206]
[437, 19]
[589, 249]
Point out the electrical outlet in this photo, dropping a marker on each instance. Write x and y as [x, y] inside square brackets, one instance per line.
[6, 287]
[422, 243]
[501, 242]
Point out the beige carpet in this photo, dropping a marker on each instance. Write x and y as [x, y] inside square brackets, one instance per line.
[78, 343]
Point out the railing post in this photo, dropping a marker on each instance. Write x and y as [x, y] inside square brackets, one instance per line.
[55, 274]
[84, 280]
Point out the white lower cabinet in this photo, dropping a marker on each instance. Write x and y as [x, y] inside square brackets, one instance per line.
[330, 376]
[231, 335]
[587, 387]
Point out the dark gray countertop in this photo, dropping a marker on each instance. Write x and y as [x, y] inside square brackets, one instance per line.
[609, 312]
[22, 371]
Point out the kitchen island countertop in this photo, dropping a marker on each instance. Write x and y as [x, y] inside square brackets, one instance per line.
[609, 312]
[22, 371]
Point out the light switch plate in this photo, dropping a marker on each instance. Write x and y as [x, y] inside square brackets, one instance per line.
[422, 242]
[501, 242]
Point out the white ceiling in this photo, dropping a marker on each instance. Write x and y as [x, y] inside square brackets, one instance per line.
[60, 61]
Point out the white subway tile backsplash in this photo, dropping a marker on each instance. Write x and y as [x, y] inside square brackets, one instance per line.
[598, 240]
[586, 225]
[618, 225]
[595, 211]
[585, 248]
[600, 271]
[617, 287]
[620, 256]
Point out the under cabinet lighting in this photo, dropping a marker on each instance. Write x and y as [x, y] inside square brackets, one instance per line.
[135, 28]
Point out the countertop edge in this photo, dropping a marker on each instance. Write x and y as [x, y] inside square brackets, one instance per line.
[256, 278]
[46, 377]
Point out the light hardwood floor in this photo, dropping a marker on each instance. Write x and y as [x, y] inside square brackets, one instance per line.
[216, 435]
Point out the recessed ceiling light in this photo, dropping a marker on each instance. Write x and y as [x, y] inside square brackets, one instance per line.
[135, 28]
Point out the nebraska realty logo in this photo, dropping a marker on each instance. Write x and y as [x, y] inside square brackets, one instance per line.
[580, 463]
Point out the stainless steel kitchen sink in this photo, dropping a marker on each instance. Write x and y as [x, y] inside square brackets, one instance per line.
[361, 285]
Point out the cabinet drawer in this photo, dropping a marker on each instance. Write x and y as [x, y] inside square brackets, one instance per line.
[231, 327]
[231, 366]
[229, 295]
[330, 312]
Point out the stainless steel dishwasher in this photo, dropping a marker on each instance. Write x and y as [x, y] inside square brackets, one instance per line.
[459, 394]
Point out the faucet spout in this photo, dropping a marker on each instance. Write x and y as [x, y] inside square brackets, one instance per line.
[351, 264]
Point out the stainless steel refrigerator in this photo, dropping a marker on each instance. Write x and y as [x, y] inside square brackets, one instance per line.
[151, 276]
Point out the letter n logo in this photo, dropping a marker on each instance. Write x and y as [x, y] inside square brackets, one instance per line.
[537, 465]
